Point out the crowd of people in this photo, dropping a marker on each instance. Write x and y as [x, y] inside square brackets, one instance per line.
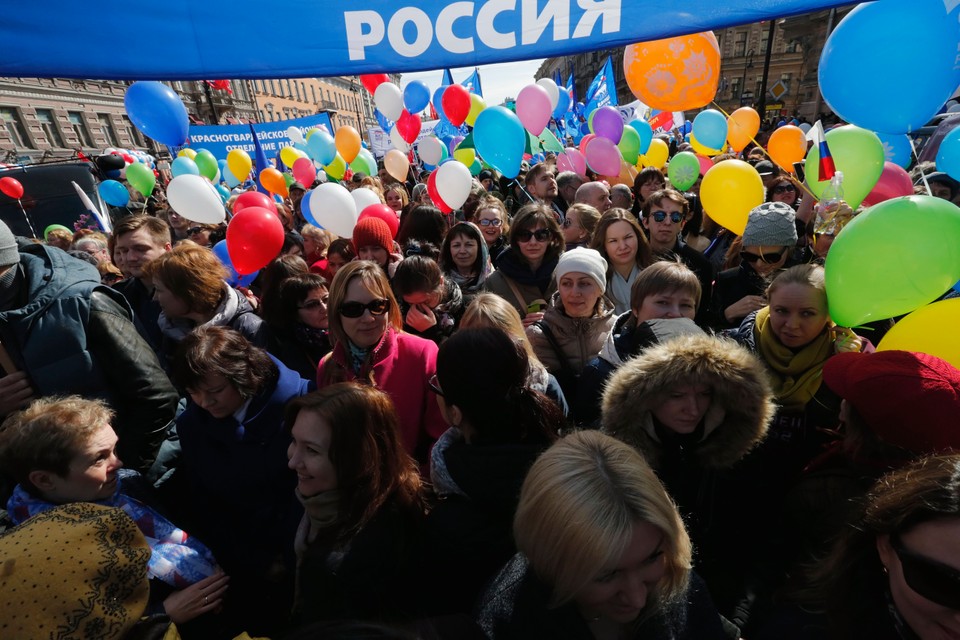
[565, 410]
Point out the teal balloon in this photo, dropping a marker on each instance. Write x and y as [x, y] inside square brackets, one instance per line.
[645, 131]
[710, 129]
[629, 145]
[321, 147]
[184, 166]
[476, 168]
[223, 192]
[500, 139]
[896, 148]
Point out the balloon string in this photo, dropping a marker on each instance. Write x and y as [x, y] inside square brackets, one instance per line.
[913, 149]
[27, 218]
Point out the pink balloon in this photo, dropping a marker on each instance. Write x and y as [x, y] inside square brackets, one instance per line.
[604, 157]
[304, 172]
[893, 183]
[571, 159]
[705, 164]
[533, 108]
[585, 140]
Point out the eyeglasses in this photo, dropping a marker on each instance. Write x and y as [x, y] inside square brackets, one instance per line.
[768, 258]
[784, 188]
[675, 216]
[932, 580]
[434, 385]
[376, 307]
[193, 230]
[497, 222]
[313, 305]
[540, 235]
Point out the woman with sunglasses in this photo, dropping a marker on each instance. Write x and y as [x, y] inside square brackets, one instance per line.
[620, 241]
[369, 346]
[491, 217]
[299, 323]
[524, 275]
[201, 234]
[784, 189]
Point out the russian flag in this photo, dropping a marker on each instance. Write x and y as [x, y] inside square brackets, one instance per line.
[827, 167]
[102, 220]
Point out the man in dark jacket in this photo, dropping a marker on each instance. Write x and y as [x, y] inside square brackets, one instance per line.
[63, 333]
[140, 239]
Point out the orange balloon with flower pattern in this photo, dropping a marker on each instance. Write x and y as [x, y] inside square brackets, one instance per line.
[674, 74]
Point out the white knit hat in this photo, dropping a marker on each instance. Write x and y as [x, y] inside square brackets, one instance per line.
[582, 260]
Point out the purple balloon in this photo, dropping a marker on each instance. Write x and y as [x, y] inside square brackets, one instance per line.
[608, 124]
[452, 145]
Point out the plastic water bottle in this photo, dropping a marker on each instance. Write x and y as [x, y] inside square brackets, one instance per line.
[830, 201]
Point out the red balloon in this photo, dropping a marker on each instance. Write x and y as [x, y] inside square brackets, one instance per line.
[11, 187]
[253, 199]
[373, 80]
[456, 104]
[435, 195]
[585, 141]
[254, 238]
[409, 126]
[129, 159]
[893, 183]
[383, 212]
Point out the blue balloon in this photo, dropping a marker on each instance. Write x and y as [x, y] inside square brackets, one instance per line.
[896, 148]
[416, 96]
[437, 97]
[234, 280]
[646, 134]
[500, 139]
[114, 193]
[872, 77]
[563, 104]
[158, 112]
[230, 179]
[185, 166]
[948, 155]
[710, 129]
[223, 192]
[305, 205]
[321, 147]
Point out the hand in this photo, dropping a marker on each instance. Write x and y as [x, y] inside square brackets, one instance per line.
[197, 599]
[846, 341]
[252, 299]
[531, 318]
[420, 317]
[15, 392]
[743, 307]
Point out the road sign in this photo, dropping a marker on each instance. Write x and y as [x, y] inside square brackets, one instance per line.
[779, 90]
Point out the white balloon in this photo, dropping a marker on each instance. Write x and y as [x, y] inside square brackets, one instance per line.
[389, 100]
[295, 135]
[397, 140]
[364, 197]
[193, 198]
[431, 150]
[552, 90]
[332, 208]
[453, 183]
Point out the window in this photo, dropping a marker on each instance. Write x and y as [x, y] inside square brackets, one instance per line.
[303, 90]
[273, 90]
[49, 125]
[80, 128]
[735, 87]
[313, 93]
[14, 126]
[132, 131]
[108, 131]
[740, 45]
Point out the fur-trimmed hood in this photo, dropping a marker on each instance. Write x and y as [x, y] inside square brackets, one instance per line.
[739, 414]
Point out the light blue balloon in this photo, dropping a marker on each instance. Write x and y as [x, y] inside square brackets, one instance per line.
[948, 156]
[223, 192]
[873, 76]
[563, 104]
[234, 280]
[710, 129]
[646, 134]
[896, 148]
[230, 179]
[184, 166]
[321, 147]
[114, 193]
[500, 139]
[416, 96]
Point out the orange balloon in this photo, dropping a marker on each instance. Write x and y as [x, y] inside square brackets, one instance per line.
[742, 125]
[674, 74]
[348, 143]
[787, 145]
[272, 180]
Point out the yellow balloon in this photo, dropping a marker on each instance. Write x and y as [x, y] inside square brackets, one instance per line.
[289, 155]
[477, 104]
[337, 168]
[239, 164]
[657, 154]
[702, 150]
[466, 155]
[396, 164]
[187, 153]
[931, 329]
[729, 190]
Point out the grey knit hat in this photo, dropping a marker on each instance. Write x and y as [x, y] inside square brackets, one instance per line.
[772, 224]
[586, 261]
[9, 254]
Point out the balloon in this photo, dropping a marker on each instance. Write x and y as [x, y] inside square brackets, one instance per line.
[534, 108]
[254, 238]
[382, 212]
[348, 142]
[572, 160]
[948, 156]
[629, 145]
[437, 98]
[295, 135]
[456, 104]
[304, 171]
[742, 125]
[157, 111]
[187, 153]
[870, 81]
[332, 207]
[389, 100]
[112, 192]
[233, 278]
[207, 164]
[272, 180]
[453, 183]
[930, 329]
[729, 191]
[322, 147]
[239, 164]
[584, 141]
[396, 164]
[289, 155]
[645, 131]
[416, 96]
[184, 165]
[683, 170]
[500, 139]
[141, 178]
[674, 74]
[657, 154]
[892, 259]
[11, 187]
[195, 199]
[409, 126]
[699, 148]
[604, 157]
[396, 138]
[607, 123]
[364, 162]
[465, 155]
[893, 183]
[371, 81]
[563, 105]
[705, 164]
[364, 197]
[552, 91]
[786, 146]
[435, 195]
[710, 127]
[856, 152]
[253, 199]
[897, 148]
[477, 104]
[128, 158]
[431, 149]
[805, 127]
[223, 191]
[476, 168]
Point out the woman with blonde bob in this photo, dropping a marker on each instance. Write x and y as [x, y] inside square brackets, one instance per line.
[602, 553]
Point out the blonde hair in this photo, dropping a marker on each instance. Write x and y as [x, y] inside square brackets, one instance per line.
[588, 216]
[372, 277]
[578, 508]
[490, 310]
[809, 275]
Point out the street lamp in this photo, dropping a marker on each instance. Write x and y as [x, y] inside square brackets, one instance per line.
[748, 64]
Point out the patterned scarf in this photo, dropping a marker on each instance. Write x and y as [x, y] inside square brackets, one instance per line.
[796, 375]
[175, 557]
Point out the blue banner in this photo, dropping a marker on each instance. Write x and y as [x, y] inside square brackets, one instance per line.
[221, 139]
[603, 89]
[202, 41]
[472, 83]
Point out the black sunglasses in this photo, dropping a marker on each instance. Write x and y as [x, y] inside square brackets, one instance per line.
[376, 307]
[675, 217]
[193, 230]
[784, 188]
[932, 580]
[490, 223]
[434, 385]
[769, 258]
[541, 235]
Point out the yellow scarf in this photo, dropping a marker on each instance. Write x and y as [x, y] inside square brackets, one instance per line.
[795, 375]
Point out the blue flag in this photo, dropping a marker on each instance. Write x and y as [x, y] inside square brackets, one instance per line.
[260, 160]
[385, 124]
[472, 83]
[573, 113]
[603, 89]
[447, 78]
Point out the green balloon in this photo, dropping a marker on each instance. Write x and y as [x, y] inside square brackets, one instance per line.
[476, 168]
[207, 164]
[683, 170]
[892, 259]
[337, 168]
[629, 145]
[141, 178]
[858, 153]
[364, 163]
[288, 179]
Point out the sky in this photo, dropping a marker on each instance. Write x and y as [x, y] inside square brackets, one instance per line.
[498, 81]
